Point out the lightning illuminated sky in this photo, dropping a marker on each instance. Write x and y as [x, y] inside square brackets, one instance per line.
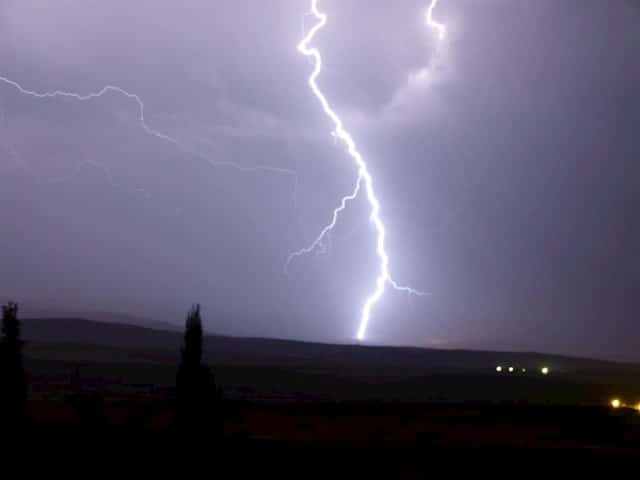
[364, 176]
[491, 170]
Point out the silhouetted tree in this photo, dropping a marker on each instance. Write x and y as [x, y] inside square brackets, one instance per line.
[13, 384]
[198, 398]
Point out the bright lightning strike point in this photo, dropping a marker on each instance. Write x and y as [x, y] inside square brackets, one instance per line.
[364, 179]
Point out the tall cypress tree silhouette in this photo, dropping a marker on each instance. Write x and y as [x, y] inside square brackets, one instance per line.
[13, 399]
[198, 398]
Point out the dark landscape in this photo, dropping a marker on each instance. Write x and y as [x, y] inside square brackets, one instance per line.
[115, 383]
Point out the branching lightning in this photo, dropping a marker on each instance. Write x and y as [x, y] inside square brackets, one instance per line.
[92, 96]
[149, 130]
[364, 180]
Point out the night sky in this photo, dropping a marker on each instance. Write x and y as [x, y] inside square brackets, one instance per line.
[506, 160]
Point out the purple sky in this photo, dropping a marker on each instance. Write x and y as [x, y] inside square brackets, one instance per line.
[508, 174]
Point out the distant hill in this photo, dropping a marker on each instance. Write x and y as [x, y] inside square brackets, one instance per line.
[124, 319]
[40, 312]
[290, 353]
[111, 353]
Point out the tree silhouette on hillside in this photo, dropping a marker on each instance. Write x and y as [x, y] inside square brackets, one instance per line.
[13, 383]
[198, 398]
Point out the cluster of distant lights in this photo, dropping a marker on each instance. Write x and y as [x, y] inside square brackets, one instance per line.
[511, 369]
[616, 404]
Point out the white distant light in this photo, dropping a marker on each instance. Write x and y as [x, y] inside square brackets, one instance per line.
[524, 370]
[511, 369]
[545, 370]
[499, 368]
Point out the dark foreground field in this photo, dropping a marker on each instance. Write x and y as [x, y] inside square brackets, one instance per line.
[387, 411]
[342, 440]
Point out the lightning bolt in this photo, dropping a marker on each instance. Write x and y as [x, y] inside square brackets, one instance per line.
[92, 96]
[364, 181]
[440, 29]
[149, 130]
